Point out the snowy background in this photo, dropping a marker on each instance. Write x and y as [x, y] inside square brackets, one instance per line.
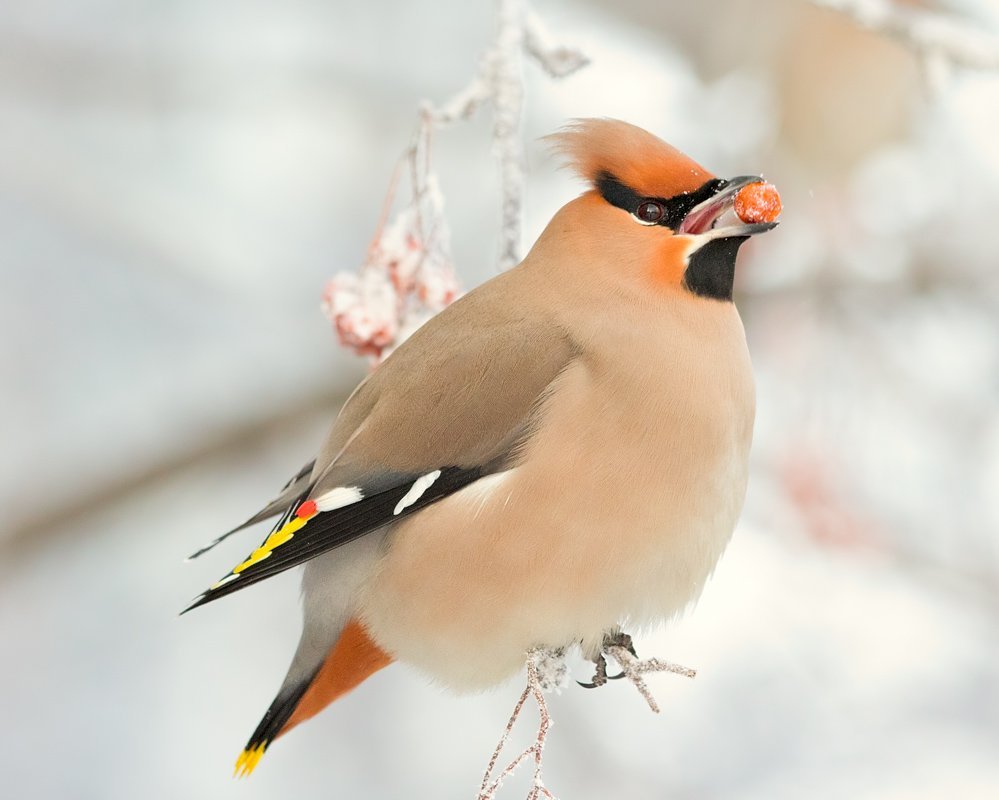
[177, 183]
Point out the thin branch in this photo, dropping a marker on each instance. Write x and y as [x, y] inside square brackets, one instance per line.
[557, 60]
[408, 274]
[500, 83]
[545, 671]
[635, 668]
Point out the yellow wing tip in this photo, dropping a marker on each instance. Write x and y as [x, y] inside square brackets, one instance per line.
[248, 760]
[277, 538]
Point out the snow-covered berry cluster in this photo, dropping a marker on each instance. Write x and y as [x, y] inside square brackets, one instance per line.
[406, 278]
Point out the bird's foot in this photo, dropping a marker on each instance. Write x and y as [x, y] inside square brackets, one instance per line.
[619, 638]
[619, 646]
[600, 677]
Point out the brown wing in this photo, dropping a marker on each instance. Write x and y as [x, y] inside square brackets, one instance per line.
[448, 407]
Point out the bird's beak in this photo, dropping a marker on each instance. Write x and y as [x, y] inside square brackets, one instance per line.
[715, 218]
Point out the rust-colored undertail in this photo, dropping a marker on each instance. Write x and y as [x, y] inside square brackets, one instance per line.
[354, 658]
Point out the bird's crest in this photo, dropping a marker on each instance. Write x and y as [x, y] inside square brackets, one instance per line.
[598, 148]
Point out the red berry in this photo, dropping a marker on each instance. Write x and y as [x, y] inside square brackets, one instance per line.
[758, 202]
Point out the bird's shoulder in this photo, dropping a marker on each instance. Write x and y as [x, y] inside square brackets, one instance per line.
[459, 390]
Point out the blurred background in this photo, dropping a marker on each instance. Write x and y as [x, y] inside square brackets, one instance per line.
[177, 183]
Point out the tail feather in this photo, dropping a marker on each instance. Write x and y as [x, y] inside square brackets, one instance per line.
[353, 659]
[270, 726]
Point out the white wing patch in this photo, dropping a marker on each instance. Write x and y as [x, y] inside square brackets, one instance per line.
[482, 490]
[338, 498]
[420, 485]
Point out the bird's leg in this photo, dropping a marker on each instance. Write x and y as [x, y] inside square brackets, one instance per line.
[618, 638]
[619, 646]
[611, 639]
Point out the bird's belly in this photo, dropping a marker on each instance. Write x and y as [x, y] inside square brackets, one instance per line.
[555, 551]
[467, 586]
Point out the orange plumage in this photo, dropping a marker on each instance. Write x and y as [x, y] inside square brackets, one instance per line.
[352, 660]
[634, 156]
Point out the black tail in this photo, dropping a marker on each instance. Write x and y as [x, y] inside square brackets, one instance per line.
[270, 726]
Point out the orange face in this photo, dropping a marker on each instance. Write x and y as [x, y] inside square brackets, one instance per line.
[654, 207]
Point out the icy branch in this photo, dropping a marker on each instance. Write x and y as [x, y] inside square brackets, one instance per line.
[557, 60]
[408, 275]
[635, 668]
[545, 671]
[500, 83]
[460, 107]
[940, 42]
[406, 278]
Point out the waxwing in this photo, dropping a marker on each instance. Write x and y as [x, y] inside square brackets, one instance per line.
[560, 453]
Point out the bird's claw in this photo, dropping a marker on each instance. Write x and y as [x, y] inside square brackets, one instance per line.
[599, 674]
[620, 647]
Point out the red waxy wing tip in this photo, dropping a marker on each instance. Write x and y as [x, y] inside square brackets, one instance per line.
[307, 510]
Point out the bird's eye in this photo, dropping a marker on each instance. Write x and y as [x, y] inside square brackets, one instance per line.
[650, 212]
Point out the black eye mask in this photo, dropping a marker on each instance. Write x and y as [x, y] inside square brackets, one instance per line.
[674, 208]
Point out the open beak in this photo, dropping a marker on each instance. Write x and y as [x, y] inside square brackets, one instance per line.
[715, 218]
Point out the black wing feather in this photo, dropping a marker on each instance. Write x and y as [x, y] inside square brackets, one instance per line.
[331, 529]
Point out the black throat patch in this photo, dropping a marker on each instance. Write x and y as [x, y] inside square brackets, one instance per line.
[711, 268]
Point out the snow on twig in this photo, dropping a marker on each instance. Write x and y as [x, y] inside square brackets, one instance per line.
[557, 60]
[500, 83]
[635, 668]
[547, 671]
[408, 275]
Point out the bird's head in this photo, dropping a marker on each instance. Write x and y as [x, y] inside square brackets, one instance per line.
[653, 215]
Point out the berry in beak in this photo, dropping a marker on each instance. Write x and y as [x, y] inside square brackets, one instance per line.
[742, 206]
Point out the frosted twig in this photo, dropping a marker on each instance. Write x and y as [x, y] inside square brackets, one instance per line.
[938, 40]
[408, 275]
[500, 82]
[557, 60]
[459, 107]
[545, 671]
[635, 668]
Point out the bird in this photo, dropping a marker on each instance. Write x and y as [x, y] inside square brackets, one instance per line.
[561, 452]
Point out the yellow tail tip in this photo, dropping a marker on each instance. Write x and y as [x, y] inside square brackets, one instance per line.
[248, 760]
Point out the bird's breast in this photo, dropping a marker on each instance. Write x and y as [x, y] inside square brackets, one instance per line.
[646, 463]
[619, 508]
